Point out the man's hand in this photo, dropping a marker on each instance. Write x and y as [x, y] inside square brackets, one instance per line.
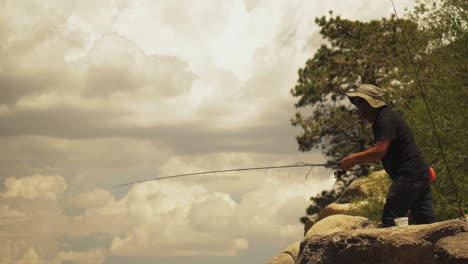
[348, 162]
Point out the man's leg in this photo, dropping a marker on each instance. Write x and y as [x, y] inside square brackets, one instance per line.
[422, 208]
[399, 199]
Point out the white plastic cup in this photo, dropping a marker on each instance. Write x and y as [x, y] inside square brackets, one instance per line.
[401, 221]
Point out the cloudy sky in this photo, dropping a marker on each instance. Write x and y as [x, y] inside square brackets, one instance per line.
[99, 93]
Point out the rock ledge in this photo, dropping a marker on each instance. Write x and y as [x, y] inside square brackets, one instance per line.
[409, 244]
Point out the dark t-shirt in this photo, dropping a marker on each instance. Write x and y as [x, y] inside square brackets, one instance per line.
[403, 157]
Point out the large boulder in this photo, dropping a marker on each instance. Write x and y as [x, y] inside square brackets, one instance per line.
[407, 244]
[371, 185]
[337, 223]
[309, 223]
[362, 187]
[453, 249]
[333, 209]
[336, 208]
[331, 224]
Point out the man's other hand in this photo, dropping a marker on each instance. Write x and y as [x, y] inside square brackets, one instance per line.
[348, 162]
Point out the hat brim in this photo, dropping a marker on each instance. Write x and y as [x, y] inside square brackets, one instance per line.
[375, 103]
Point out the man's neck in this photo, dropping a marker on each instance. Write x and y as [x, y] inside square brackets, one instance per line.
[376, 112]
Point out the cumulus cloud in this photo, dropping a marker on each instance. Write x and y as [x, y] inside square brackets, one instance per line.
[95, 198]
[32, 256]
[174, 218]
[35, 75]
[32, 48]
[6, 211]
[157, 222]
[115, 64]
[275, 202]
[99, 93]
[95, 256]
[213, 213]
[35, 187]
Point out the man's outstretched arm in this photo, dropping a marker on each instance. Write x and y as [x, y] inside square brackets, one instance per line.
[373, 154]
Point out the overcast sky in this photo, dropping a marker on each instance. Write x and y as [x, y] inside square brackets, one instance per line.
[99, 93]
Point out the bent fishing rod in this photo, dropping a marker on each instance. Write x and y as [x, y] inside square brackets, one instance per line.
[337, 173]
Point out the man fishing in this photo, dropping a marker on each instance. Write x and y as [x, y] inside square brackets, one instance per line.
[401, 158]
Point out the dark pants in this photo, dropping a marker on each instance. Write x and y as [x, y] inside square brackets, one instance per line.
[409, 195]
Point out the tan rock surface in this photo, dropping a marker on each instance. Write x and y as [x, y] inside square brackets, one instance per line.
[361, 187]
[326, 226]
[408, 244]
[453, 249]
[337, 223]
[336, 208]
[309, 224]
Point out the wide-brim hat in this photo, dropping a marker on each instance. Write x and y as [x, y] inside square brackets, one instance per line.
[371, 93]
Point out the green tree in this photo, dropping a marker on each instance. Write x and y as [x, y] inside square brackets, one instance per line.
[357, 52]
[443, 76]
[437, 37]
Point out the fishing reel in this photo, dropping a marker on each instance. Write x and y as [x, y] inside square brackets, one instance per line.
[339, 173]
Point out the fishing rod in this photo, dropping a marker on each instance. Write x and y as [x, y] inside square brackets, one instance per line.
[337, 173]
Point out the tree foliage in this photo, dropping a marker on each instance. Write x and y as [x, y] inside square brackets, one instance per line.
[443, 76]
[357, 52]
[375, 52]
